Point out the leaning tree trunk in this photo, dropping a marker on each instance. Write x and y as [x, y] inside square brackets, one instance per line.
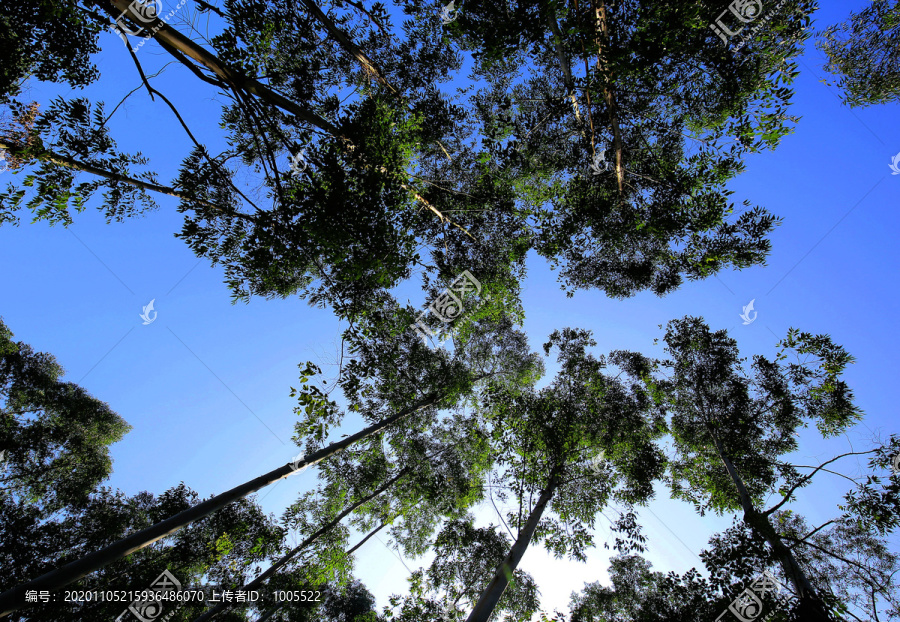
[182, 48]
[258, 581]
[14, 598]
[345, 42]
[347, 553]
[494, 591]
[811, 607]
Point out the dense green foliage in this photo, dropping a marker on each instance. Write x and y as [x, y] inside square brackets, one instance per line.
[863, 53]
[362, 145]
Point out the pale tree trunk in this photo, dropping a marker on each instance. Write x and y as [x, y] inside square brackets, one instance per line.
[54, 580]
[608, 89]
[258, 581]
[492, 594]
[180, 47]
[351, 48]
[566, 68]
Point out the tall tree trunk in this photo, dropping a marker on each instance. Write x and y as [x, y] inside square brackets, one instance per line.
[174, 41]
[347, 553]
[566, 68]
[351, 48]
[608, 89]
[54, 580]
[810, 603]
[494, 591]
[258, 581]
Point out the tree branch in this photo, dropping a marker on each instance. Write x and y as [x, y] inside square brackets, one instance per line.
[351, 48]
[806, 478]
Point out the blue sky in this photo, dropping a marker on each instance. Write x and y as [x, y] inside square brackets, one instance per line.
[205, 386]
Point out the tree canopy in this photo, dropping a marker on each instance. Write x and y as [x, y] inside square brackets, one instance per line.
[351, 148]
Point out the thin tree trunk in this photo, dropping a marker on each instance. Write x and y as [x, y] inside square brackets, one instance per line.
[347, 553]
[587, 91]
[609, 89]
[348, 45]
[54, 580]
[494, 591]
[258, 581]
[173, 40]
[809, 597]
[568, 81]
[45, 155]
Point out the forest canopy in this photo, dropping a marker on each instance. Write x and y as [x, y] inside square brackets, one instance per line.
[346, 152]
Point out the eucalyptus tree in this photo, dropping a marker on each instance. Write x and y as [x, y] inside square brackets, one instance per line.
[638, 594]
[546, 442]
[622, 87]
[730, 432]
[415, 489]
[410, 487]
[402, 166]
[220, 549]
[440, 463]
[54, 435]
[465, 558]
[862, 52]
[846, 556]
[395, 380]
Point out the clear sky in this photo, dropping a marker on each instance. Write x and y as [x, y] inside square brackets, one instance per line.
[205, 386]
